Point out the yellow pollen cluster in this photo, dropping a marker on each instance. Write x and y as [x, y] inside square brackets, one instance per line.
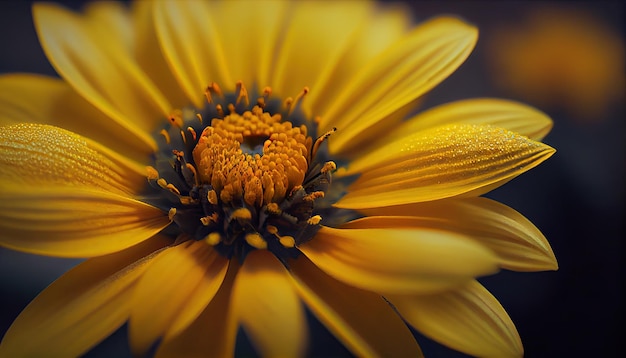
[257, 178]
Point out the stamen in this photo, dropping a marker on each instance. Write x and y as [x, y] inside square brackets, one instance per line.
[251, 173]
[255, 240]
[162, 183]
[298, 100]
[212, 197]
[220, 110]
[328, 167]
[172, 188]
[314, 220]
[176, 118]
[166, 135]
[152, 173]
[242, 94]
[193, 133]
[192, 169]
[286, 241]
[171, 213]
[213, 238]
[215, 89]
[208, 220]
[241, 215]
[320, 140]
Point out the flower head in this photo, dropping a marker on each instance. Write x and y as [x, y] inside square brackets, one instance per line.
[225, 164]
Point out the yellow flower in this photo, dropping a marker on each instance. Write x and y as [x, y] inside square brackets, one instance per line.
[203, 199]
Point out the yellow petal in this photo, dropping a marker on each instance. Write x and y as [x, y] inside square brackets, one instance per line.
[384, 26]
[362, 320]
[447, 161]
[112, 22]
[175, 289]
[399, 260]
[191, 45]
[82, 307]
[42, 155]
[268, 307]
[148, 55]
[251, 61]
[315, 37]
[397, 77]
[30, 98]
[73, 222]
[111, 80]
[213, 333]
[519, 245]
[510, 115]
[469, 319]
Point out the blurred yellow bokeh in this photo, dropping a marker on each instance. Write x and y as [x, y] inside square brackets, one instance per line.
[560, 59]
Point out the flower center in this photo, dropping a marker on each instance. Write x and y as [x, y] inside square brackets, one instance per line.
[249, 181]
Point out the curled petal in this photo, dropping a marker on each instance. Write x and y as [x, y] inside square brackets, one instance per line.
[82, 307]
[519, 245]
[399, 260]
[174, 291]
[362, 320]
[468, 319]
[266, 304]
[448, 161]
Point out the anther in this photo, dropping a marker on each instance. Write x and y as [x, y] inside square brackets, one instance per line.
[207, 95]
[320, 140]
[166, 135]
[199, 116]
[242, 94]
[298, 100]
[176, 118]
[171, 213]
[207, 220]
[152, 173]
[241, 215]
[212, 197]
[255, 240]
[314, 220]
[220, 110]
[273, 208]
[287, 241]
[193, 132]
[213, 238]
[287, 104]
[162, 183]
[313, 196]
[215, 89]
[328, 167]
[172, 188]
[192, 169]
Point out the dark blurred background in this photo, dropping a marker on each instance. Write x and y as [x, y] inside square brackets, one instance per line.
[566, 58]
